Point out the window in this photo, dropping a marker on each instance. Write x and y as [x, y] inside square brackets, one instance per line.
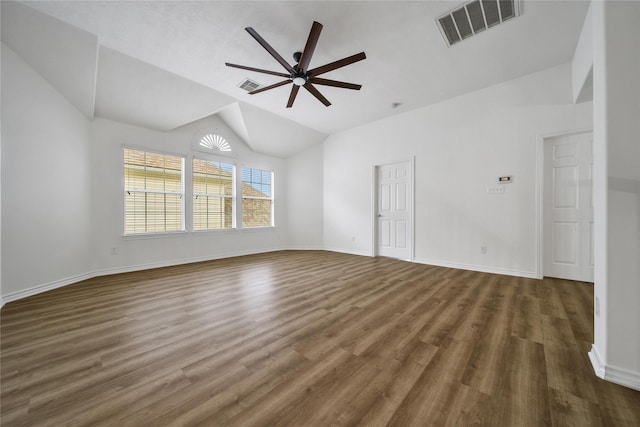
[212, 141]
[257, 198]
[153, 190]
[213, 185]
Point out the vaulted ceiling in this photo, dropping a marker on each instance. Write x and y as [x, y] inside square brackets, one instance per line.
[161, 64]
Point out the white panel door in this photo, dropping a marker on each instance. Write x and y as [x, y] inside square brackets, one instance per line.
[568, 208]
[395, 194]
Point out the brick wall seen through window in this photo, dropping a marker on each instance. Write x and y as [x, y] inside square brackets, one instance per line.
[257, 198]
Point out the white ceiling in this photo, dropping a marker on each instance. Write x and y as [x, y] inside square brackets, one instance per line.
[160, 64]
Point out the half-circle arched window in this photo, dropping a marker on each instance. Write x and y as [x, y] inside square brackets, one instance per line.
[214, 141]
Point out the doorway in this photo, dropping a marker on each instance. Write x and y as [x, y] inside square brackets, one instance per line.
[394, 210]
[567, 207]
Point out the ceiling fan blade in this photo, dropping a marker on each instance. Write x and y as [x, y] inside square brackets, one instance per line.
[292, 97]
[335, 83]
[269, 49]
[308, 86]
[337, 64]
[312, 41]
[273, 86]
[257, 70]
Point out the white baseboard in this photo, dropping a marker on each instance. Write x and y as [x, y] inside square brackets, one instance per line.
[460, 266]
[479, 268]
[171, 263]
[305, 248]
[596, 361]
[126, 269]
[14, 296]
[611, 373]
[347, 251]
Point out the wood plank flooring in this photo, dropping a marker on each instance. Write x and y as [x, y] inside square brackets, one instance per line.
[306, 338]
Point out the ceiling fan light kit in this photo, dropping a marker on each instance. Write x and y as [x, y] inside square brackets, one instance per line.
[299, 80]
[299, 74]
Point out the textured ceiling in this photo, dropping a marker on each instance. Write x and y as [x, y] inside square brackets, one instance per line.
[163, 61]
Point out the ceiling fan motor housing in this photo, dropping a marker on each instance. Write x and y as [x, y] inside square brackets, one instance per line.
[298, 78]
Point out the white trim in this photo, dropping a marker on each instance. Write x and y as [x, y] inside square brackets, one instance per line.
[256, 228]
[478, 268]
[539, 182]
[305, 248]
[154, 235]
[374, 211]
[596, 361]
[412, 211]
[14, 296]
[171, 263]
[349, 252]
[611, 373]
[1, 302]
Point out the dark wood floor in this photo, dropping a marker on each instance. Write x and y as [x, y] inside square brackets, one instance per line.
[307, 339]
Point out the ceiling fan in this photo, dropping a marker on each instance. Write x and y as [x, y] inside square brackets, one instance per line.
[299, 74]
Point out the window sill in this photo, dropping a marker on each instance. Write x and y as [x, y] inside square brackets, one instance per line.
[257, 229]
[172, 234]
[140, 236]
[214, 231]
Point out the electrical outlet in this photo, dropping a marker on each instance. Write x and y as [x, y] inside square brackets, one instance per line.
[114, 251]
[483, 249]
[597, 306]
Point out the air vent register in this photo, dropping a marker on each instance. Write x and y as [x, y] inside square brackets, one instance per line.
[474, 17]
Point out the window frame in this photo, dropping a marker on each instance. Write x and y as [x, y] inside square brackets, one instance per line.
[233, 197]
[129, 190]
[271, 198]
[187, 188]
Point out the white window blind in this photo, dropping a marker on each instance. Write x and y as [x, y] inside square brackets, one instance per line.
[153, 192]
[213, 195]
[257, 198]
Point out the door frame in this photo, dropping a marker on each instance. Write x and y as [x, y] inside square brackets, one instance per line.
[539, 196]
[374, 205]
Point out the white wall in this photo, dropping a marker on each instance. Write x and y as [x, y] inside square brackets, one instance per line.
[461, 146]
[62, 200]
[1, 299]
[46, 222]
[305, 195]
[137, 252]
[582, 63]
[616, 350]
[1, 293]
